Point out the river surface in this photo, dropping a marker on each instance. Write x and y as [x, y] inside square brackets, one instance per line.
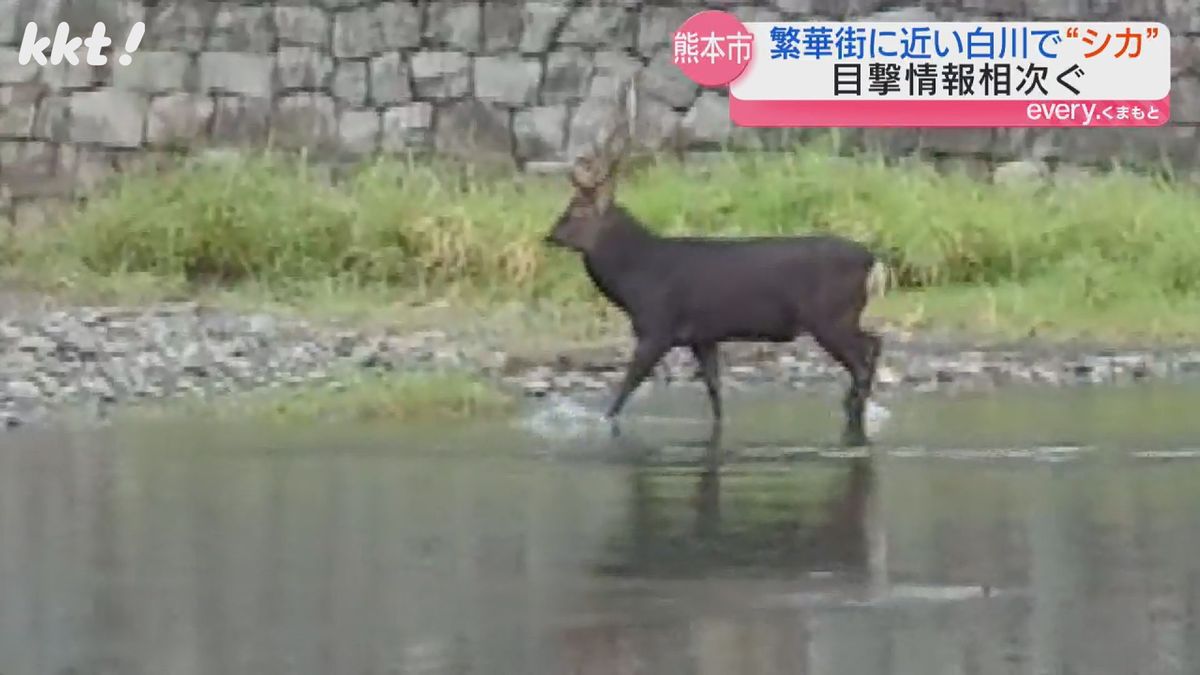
[1020, 531]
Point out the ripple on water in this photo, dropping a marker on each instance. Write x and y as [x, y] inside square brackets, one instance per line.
[561, 416]
[1180, 453]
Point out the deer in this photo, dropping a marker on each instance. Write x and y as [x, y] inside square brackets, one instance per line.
[701, 292]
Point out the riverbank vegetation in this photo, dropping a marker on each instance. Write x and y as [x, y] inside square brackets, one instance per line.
[1111, 257]
[361, 397]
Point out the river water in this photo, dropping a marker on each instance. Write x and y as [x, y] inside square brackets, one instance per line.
[1021, 531]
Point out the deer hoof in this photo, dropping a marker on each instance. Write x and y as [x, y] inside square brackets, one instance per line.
[614, 426]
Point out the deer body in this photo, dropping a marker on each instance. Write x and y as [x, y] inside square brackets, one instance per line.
[699, 292]
[691, 289]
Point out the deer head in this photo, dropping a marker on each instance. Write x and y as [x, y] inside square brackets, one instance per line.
[594, 181]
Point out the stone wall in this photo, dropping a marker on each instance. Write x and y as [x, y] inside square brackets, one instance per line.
[518, 80]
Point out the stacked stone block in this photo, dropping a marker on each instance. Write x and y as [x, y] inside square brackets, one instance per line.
[526, 82]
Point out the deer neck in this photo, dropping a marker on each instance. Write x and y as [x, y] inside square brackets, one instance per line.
[621, 239]
[619, 259]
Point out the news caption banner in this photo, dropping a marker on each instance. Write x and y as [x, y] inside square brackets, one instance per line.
[931, 74]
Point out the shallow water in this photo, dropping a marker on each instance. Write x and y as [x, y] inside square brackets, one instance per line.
[1024, 531]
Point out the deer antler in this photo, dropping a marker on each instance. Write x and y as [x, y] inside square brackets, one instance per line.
[616, 145]
[597, 166]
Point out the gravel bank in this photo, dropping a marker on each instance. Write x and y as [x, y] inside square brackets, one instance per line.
[93, 358]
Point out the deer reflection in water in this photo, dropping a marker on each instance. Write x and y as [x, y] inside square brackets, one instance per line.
[764, 526]
[781, 521]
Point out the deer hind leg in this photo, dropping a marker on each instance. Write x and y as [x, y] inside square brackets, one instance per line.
[857, 352]
[873, 348]
[708, 356]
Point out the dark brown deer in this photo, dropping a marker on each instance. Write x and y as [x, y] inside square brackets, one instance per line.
[700, 292]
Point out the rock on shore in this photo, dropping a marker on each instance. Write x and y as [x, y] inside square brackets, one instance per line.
[92, 358]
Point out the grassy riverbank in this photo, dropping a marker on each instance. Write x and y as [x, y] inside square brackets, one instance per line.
[434, 397]
[1111, 258]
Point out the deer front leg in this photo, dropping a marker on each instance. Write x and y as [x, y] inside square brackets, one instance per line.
[645, 356]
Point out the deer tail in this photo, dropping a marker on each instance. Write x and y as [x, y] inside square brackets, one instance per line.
[879, 279]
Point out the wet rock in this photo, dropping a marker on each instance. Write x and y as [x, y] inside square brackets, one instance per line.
[538, 382]
[345, 342]
[262, 325]
[35, 344]
[368, 356]
[537, 387]
[886, 376]
[742, 371]
[48, 385]
[194, 359]
[82, 343]
[594, 384]
[23, 389]
[100, 388]
[1139, 372]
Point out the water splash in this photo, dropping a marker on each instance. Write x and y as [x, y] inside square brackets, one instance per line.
[876, 417]
[563, 417]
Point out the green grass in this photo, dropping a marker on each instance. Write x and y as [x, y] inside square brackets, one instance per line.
[1114, 257]
[358, 398]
